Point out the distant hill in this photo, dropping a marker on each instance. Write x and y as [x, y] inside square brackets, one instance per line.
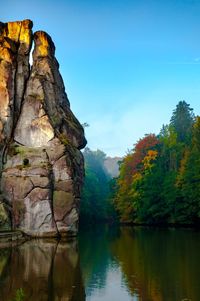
[111, 166]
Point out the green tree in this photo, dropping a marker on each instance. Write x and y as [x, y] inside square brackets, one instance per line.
[182, 121]
[94, 200]
[159, 181]
[188, 180]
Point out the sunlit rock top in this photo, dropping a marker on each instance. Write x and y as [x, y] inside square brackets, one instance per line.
[40, 138]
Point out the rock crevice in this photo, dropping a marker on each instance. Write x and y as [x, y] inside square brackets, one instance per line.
[40, 138]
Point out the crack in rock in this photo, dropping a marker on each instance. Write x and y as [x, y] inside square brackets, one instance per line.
[35, 117]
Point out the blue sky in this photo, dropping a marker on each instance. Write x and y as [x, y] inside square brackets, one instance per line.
[125, 64]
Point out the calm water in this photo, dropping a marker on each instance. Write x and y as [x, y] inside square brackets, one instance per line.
[105, 265]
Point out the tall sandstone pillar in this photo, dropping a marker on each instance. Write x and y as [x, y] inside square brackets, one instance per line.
[40, 139]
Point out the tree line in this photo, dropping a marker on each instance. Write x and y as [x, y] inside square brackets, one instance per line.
[95, 204]
[159, 179]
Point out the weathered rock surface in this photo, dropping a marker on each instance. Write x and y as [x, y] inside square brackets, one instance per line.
[40, 138]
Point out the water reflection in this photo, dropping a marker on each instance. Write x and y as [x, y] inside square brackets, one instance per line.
[101, 271]
[141, 264]
[129, 264]
[45, 270]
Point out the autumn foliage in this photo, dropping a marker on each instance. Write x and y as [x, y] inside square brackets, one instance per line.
[133, 167]
[159, 179]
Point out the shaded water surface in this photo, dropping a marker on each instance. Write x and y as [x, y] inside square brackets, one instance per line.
[44, 270]
[106, 264]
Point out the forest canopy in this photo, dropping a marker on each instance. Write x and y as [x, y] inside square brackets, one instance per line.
[159, 179]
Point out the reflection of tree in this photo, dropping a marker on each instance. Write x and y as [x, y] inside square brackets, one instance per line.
[159, 265]
[95, 256]
[45, 270]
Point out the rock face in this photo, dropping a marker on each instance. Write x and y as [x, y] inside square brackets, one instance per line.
[40, 138]
[112, 166]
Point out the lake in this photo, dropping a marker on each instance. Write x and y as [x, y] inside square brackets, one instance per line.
[104, 264]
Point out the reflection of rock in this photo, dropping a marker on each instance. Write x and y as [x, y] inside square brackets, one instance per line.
[45, 270]
[4, 217]
[40, 138]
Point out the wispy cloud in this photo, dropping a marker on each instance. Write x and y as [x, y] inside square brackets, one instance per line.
[194, 61]
[116, 135]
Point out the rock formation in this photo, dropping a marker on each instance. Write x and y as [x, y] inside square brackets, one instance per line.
[40, 138]
[111, 165]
